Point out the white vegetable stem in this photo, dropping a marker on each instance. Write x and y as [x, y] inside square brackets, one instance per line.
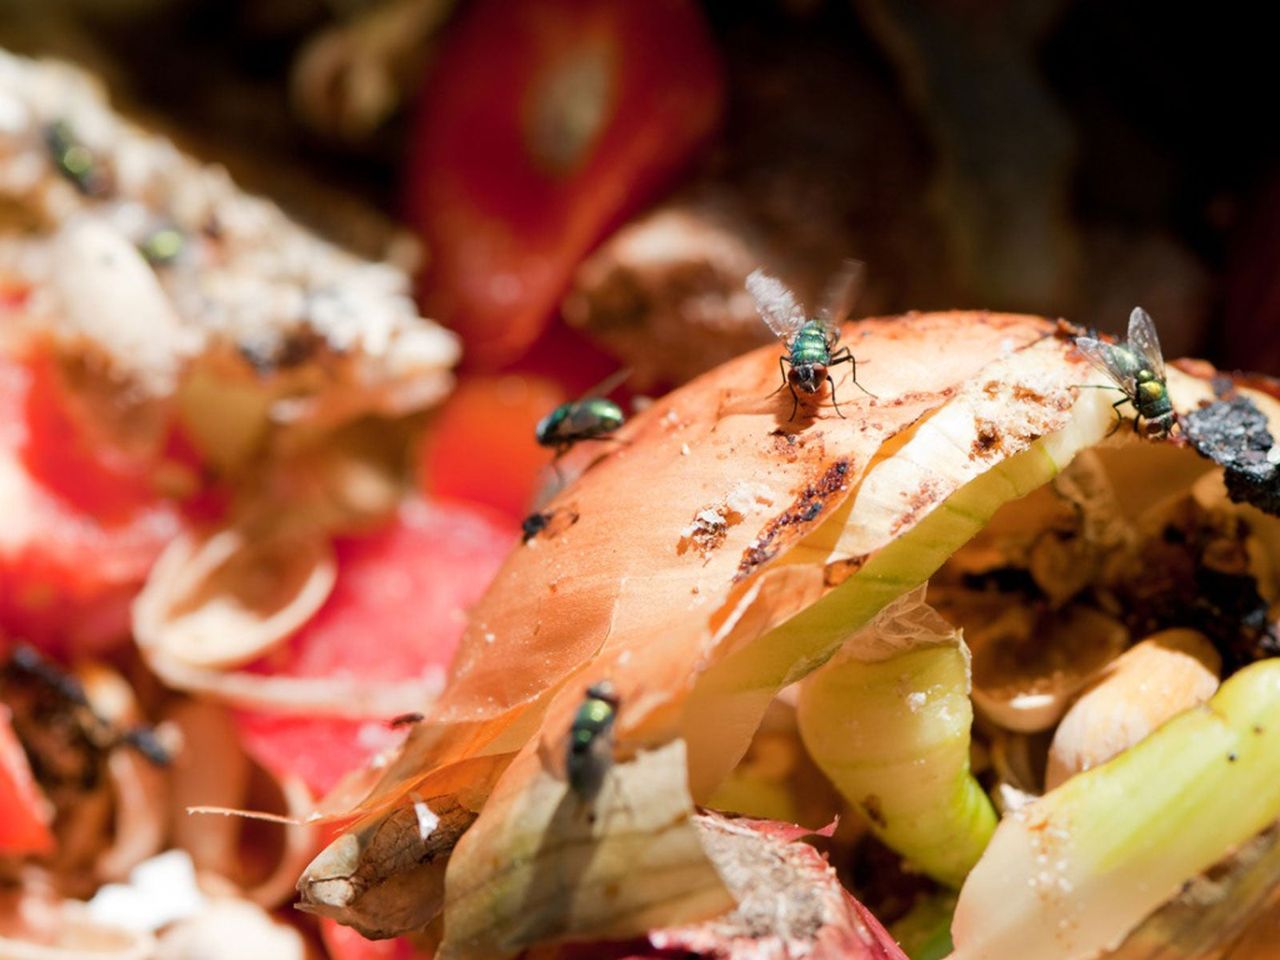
[1069, 875]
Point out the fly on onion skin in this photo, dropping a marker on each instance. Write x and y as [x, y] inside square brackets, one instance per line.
[589, 754]
[810, 341]
[1136, 367]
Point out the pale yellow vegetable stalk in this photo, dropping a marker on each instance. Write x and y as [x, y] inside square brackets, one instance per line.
[1071, 874]
[888, 720]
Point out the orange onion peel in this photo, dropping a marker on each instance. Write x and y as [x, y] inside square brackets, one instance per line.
[722, 551]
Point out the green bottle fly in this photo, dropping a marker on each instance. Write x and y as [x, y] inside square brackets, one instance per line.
[592, 418]
[1136, 366]
[590, 752]
[810, 342]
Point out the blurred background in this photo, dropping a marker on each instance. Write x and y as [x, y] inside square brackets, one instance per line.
[589, 182]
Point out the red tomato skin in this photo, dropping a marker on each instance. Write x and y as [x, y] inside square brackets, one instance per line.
[62, 455]
[397, 611]
[25, 814]
[507, 220]
[67, 576]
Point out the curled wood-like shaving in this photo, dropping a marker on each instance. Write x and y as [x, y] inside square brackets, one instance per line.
[140, 803]
[305, 696]
[213, 772]
[228, 599]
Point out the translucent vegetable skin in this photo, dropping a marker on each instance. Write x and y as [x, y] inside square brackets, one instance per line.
[737, 689]
[610, 867]
[1072, 873]
[893, 736]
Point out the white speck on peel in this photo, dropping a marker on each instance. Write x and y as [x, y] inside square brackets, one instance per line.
[684, 449]
[427, 821]
[489, 637]
[624, 658]
[916, 700]
[746, 498]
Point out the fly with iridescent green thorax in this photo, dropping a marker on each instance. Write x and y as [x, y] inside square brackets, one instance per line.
[594, 417]
[590, 751]
[1136, 366]
[810, 342]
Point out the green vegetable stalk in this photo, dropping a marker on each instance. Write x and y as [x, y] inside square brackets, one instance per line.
[1069, 875]
[892, 733]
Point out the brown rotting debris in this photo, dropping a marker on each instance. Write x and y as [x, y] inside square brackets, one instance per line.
[806, 508]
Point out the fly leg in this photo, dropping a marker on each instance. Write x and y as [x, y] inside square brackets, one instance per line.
[1120, 417]
[1115, 406]
[561, 450]
[844, 356]
[786, 382]
[782, 371]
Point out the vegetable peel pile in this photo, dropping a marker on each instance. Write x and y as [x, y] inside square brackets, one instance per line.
[1006, 620]
[813, 541]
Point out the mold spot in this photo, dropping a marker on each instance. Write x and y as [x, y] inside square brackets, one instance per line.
[834, 574]
[1234, 434]
[987, 440]
[710, 524]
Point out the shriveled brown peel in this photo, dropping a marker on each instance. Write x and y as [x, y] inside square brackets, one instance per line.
[546, 863]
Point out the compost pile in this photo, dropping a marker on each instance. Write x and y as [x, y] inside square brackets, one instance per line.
[308, 649]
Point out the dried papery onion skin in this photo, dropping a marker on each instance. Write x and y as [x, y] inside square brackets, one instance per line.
[893, 736]
[607, 867]
[1071, 874]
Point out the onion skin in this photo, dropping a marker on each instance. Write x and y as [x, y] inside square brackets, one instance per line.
[721, 551]
[652, 610]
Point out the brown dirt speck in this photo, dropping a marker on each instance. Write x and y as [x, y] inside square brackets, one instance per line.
[834, 574]
[874, 811]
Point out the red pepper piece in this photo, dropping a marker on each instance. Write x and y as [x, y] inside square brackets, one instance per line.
[396, 613]
[481, 446]
[25, 814]
[544, 124]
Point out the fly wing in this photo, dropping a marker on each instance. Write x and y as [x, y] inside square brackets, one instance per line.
[608, 384]
[841, 294]
[1142, 335]
[1109, 360]
[777, 305]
